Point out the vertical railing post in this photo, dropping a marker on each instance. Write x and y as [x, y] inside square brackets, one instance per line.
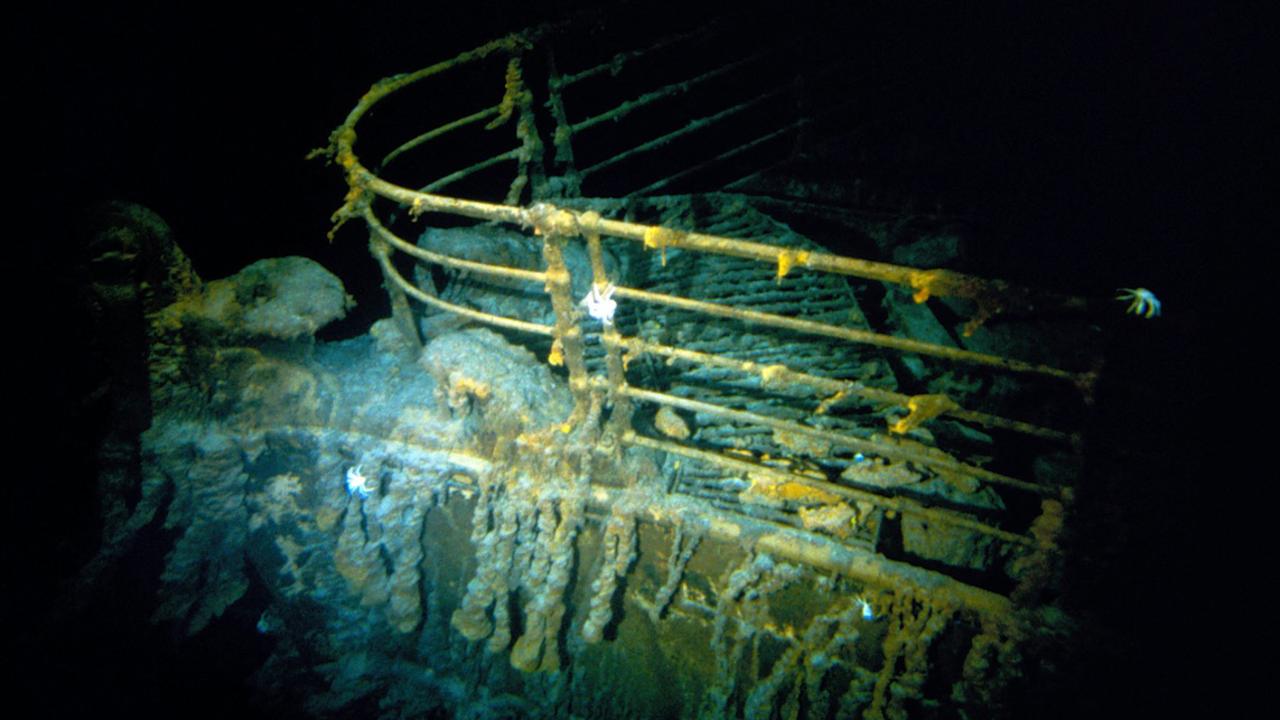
[550, 224]
[517, 101]
[568, 185]
[401, 313]
[620, 418]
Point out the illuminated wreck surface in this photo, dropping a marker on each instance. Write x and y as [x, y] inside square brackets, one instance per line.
[635, 440]
[434, 533]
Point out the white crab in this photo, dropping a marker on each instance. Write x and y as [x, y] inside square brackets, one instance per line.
[600, 303]
[357, 484]
[1141, 302]
[868, 614]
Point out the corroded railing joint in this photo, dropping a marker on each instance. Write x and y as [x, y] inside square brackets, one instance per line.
[568, 334]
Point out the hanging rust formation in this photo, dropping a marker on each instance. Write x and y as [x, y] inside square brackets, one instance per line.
[735, 392]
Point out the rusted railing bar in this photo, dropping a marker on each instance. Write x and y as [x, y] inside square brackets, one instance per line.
[437, 132]
[388, 85]
[469, 265]
[865, 337]
[757, 513]
[727, 155]
[434, 185]
[816, 116]
[1019, 426]
[901, 505]
[925, 283]
[401, 312]
[617, 113]
[863, 445]
[420, 202]
[694, 125]
[568, 222]
[619, 61]
[765, 252]
[390, 272]
[819, 301]
[768, 373]
[832, 386]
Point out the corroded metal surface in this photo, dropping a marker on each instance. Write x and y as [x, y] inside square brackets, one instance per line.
[741, 479]
[739, 496]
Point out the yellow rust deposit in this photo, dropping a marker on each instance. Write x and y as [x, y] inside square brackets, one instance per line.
[770, 489]
[513, 86]
[658, 238]
[923, 408]
[669, 423]
[548, 220]
[837, 519]
[830, 402]
[771, 374]
[463, 389]
[991, 297]
[788, 259]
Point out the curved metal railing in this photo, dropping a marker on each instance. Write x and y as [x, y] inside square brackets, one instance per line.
[554, 225]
